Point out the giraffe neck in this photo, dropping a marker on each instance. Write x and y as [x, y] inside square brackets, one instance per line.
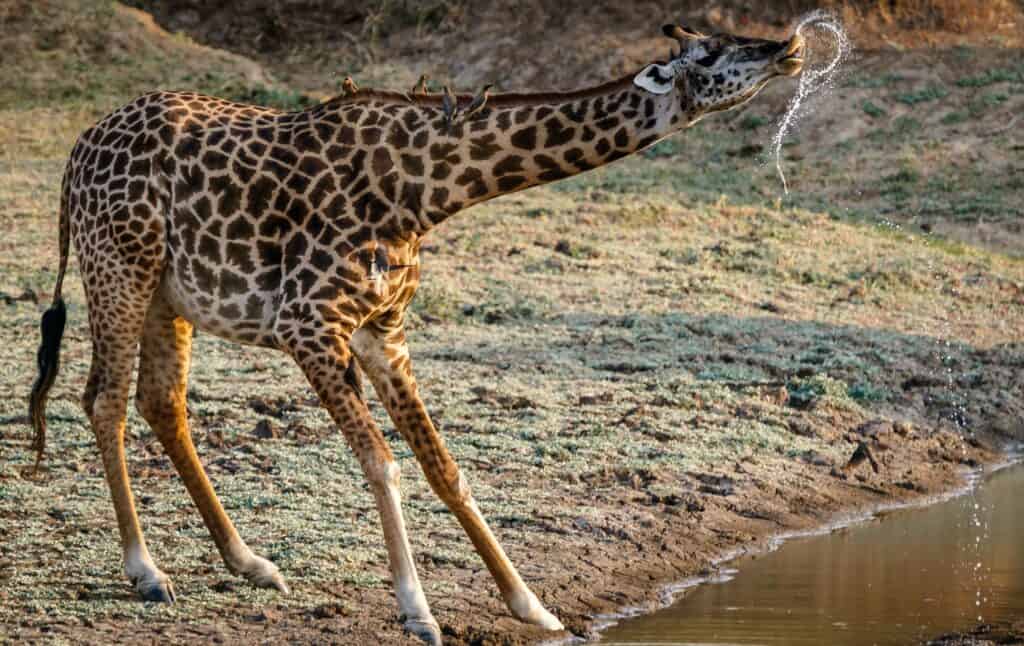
[510, 146]
[516, 141]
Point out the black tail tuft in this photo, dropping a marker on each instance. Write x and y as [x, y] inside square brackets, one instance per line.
[52, 328]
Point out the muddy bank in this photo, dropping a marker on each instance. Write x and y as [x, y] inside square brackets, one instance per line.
[983, 635]
[651, 530]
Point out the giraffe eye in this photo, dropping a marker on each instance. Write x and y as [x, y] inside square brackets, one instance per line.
[708, 60]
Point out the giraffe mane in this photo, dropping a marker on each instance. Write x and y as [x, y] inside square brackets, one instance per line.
[504, 99]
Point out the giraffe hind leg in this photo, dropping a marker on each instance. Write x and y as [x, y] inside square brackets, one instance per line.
[115, 334]
[160, 399]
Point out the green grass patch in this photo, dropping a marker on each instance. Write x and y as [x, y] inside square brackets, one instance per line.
[665, 148]
[281, 99]
[864, 392]
[753, 122]
[991, 77]
[874, 81]
[872, 110]
[955, 117]
[812, 391]
[926, 95]
[906, 125]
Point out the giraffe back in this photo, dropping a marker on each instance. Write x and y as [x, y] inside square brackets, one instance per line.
[236, 209]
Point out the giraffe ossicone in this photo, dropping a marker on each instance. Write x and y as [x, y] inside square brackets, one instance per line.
[301, 232]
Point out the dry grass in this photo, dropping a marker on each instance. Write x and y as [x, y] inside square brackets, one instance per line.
[946, 15]
[540, 44]
[90, 55]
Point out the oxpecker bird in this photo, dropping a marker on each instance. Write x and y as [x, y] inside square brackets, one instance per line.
[479, 101]
[421, 86]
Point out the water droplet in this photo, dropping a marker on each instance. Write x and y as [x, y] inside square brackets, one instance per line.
[811, 81]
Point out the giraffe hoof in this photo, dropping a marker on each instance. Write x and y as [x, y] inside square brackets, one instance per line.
[546, 620]
[529, 610]
[264, 574]
[427, 630]
[158, 591]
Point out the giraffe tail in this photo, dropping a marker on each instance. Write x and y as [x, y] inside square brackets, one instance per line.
[52, 328]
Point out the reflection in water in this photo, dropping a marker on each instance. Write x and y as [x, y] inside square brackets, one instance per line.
[913, 575]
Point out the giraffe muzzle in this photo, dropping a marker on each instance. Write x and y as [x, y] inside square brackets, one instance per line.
[791, 60]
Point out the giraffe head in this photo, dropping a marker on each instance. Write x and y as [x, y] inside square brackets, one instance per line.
[721, 71]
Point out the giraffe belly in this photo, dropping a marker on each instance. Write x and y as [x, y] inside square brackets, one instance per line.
[243, 318]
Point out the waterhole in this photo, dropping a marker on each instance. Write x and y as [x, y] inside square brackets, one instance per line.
[903, 577]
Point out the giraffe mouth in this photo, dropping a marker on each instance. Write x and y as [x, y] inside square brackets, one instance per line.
[791, 60]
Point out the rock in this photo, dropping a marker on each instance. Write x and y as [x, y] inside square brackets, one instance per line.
[224, 586]
[267, 615]
[625, 367]
[57, 514]
[801, 428]
[265, 430]
[955, 414]
[228, 464]
[489, 396]
[921, 381]
[216, 439]
[26, 296]
[902, 428]
[563, 247]
[976, 443]
[874, 428]
[814, 458]
[778, 395]
[600, 398]
[275, 407]
[636, 478]
[693, 503]
[582, 524]
[329, 610]
[645, 520]
[910, 486]
[715, 485]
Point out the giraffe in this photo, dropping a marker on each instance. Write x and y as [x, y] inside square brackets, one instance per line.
[300, 232]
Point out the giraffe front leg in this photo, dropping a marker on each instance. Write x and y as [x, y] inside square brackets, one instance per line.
[335, 377]
[383, 353]
[160, 398]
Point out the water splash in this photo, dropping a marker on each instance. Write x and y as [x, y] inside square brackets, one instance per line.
[812, 81]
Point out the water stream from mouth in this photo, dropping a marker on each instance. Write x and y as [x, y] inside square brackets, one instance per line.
[812, 81]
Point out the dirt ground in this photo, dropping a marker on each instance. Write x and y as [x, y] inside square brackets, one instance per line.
[640, 369]
[984, 635]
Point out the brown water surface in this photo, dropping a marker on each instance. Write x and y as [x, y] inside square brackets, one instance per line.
[908, 575]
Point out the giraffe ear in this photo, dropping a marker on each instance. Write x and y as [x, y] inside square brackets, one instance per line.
[656, 79]
[681, 33]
